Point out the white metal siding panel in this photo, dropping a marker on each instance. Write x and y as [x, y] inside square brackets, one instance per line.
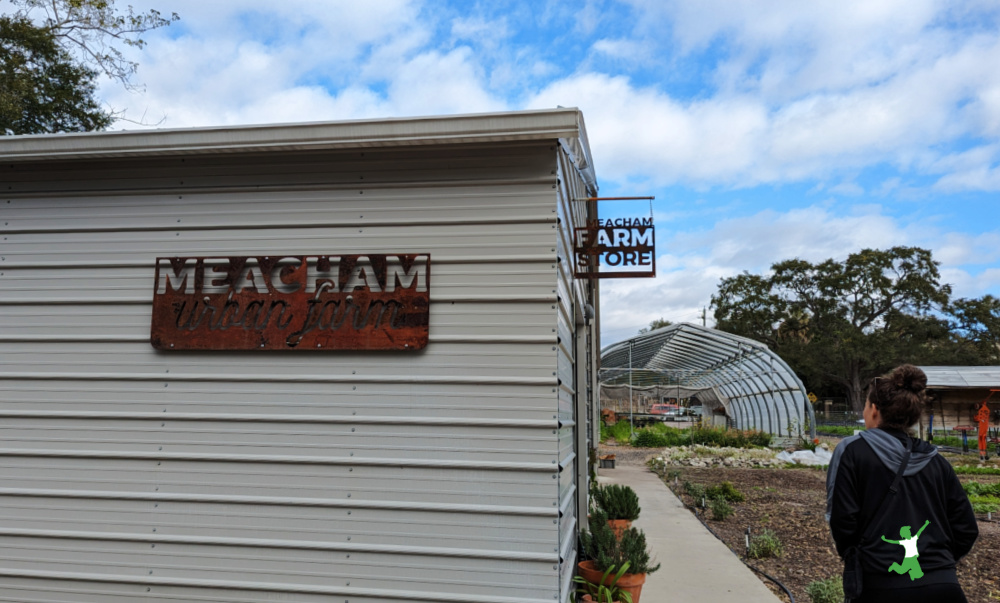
[128, 474]
[572, 298]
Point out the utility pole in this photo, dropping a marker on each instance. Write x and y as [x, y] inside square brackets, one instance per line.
[703, 310]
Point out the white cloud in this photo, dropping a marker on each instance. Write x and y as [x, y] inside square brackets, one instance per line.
[802, 90]
[827, 93]
[644, 132]
[311, 62]
[689, 274]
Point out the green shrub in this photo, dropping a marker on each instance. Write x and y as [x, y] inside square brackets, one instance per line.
[978, 489]
[974, 470]
[725, 491]
[621, 432]
[953, 441]
[839, 430]
[695, 491]
[673, 435]
[735, 438]
[607, 551]
[830, 590]
[990, 505]
[720, 509]
[763, 545]
[985, 498]
[617, 502]
[645, 438]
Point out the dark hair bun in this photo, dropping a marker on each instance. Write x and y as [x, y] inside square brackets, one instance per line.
[910, 378]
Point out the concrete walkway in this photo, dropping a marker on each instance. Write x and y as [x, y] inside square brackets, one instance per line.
[696, 566]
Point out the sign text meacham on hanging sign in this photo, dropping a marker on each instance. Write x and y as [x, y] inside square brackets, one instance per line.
[616, 248]
[327, 302]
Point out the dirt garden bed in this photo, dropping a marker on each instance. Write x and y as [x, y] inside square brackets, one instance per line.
[791, 503]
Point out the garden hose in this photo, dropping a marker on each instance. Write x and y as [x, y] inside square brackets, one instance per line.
[759, 571]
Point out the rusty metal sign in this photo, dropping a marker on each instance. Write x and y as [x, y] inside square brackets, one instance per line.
[616, 248]
[330, 302]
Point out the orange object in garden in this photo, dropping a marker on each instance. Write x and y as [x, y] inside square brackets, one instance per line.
[983, 418]
[631, 583]
[618, 526]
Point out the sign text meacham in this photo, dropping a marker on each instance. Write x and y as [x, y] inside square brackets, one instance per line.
[327, 302]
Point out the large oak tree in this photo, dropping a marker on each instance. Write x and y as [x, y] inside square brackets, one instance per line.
[42, 90]
[844, 322]
[52, 51]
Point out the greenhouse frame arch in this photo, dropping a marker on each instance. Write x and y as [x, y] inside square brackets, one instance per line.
[757, 389]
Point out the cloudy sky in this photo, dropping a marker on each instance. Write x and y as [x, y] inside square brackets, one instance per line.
[766, 129]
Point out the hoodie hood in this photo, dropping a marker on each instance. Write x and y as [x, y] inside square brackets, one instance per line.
[890, 450]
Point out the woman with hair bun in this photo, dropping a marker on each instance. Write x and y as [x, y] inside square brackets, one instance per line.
[897, 512]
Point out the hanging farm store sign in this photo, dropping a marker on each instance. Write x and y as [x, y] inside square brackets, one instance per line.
[327, 302]
[616, 248]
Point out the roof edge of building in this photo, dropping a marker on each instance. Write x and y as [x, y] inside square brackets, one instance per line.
[550, 124]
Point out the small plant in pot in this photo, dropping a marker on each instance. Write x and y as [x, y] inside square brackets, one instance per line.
[620, 504]
[604, 551]
[607, 589]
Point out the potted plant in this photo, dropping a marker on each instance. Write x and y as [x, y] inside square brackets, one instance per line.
[605, 551]
[606, 590]
[620, 504]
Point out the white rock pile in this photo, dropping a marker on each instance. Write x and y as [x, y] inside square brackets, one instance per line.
[706, 456]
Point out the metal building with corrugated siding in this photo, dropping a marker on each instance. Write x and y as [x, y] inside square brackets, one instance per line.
[456, 472]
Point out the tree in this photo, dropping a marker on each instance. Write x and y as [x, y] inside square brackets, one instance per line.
[41, 89]
[93, 27]
[659, 323]
[53, 51]
[844, 322]
[979, 320]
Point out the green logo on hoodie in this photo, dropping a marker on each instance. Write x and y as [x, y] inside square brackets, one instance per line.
[910, 554]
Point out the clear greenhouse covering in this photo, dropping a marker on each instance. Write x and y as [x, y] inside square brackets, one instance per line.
[754, 385]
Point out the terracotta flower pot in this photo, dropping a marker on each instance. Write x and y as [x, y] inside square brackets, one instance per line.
[632, 583]
[589, 599]
[618, 526]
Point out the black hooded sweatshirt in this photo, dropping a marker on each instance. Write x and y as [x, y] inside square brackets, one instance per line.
[860, 473]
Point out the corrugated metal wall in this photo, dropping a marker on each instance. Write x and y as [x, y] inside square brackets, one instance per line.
[574, 371]
[131, 475]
